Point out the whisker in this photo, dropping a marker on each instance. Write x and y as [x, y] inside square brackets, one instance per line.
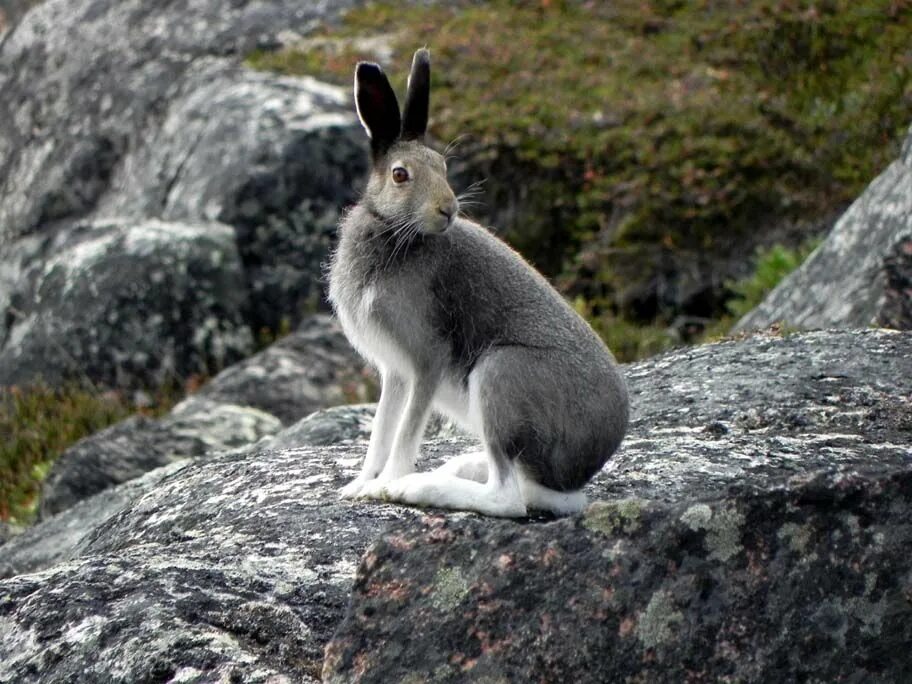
[404, 235]
[453, 144]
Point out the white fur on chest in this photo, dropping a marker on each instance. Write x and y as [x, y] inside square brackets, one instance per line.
[367, 336]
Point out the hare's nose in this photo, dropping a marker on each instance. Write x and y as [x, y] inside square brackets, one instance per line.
[449, 210]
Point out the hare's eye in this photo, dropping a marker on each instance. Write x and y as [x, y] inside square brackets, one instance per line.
[400, 175]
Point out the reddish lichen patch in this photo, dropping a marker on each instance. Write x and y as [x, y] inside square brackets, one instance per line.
[627, 626]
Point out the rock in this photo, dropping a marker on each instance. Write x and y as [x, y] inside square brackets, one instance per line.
[336, 425]
[276, 158]
[11, 13]
[754, 521]
[808, 582]
[348, 424]
[846, 282]
[127, 304]
[234, 569]
[99, 79]
[196, 427]
[126, 112]
[753, 527]
[310, 369]
[57, 539]
[896, 311]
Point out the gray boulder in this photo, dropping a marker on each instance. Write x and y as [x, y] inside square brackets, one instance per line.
[348, 424]
[896, 311]
[11, 12]
[754, 526]
[82, 492]
[89, 84]
[850, 280]
[124, 303]
[310, 369]
[124, 451]
[133, 111]
[275, 158]
[805, 583]
[234, 569]
[306, 370]
[57, 539]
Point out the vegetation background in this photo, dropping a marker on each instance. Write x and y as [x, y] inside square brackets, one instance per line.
[641, 153]
[665, 163]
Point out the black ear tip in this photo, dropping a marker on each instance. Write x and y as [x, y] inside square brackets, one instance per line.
[422, 57]
[368, 71]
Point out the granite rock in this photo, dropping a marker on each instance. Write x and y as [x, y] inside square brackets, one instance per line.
[134, 112]
[896, 310]
[846, 282]
[123, 303]
[754, 526]
[196, 427]
[311, 368]
[350, 424]
[809, 582]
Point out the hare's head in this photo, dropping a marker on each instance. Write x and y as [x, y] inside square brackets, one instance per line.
[408, 185]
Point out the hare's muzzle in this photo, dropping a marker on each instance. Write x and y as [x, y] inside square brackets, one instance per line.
[446, 214]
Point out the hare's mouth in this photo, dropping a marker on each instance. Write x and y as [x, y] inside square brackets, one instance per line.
[439, 222]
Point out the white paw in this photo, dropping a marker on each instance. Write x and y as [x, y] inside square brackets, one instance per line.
[374, 489]
[406, 489]
[420, 489]
[417, 489]
[353, 488]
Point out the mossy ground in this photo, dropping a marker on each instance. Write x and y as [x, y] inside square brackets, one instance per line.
[38, 423]
[633, 142]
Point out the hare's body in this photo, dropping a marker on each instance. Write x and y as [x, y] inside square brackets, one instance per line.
[454, 319]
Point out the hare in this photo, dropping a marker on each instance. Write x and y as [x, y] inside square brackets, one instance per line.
[454, 319]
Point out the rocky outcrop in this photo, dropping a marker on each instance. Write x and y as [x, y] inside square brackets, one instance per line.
[229, 570]
[754, 526]
[12, 12]
[311, 368]
[807, 582]
[59, 537]
[896, 311]
[850, 280]
[125, 451]
[130, 111]
[124, 303]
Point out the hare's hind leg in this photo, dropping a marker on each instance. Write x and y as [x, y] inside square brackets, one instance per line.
[540, 498]
[499, 496]
[471, 466]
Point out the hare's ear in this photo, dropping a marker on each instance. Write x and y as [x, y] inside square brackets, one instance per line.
[377, 106]
[417, 99]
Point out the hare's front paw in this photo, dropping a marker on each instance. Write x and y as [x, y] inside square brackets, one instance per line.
[375, 489]
[353, 489]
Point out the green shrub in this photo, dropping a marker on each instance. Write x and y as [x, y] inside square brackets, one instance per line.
[627, 340]
[637, 140]
[37, 424]
[772, 265]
